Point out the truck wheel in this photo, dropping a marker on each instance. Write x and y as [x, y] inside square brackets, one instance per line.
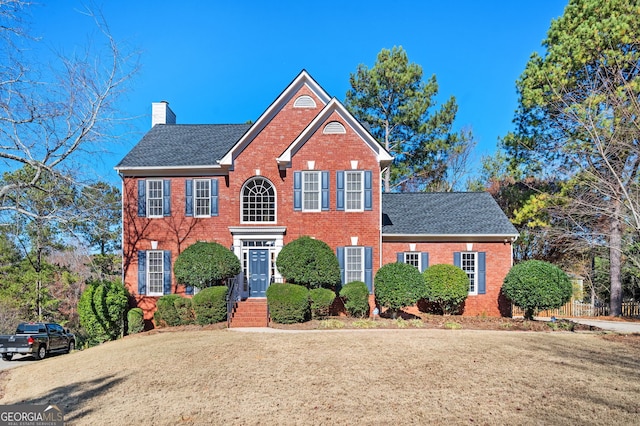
[42, 352]
[7, 357]
[71, 346]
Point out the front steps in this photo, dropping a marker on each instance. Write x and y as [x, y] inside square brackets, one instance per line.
[251, 313]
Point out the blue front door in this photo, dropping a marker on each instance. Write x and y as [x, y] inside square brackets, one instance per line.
[258, 272]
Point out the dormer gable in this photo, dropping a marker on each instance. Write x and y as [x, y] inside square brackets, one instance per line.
[304, 101]
[327, 125]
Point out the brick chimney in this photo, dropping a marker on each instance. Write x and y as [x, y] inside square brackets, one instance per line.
[162, 114]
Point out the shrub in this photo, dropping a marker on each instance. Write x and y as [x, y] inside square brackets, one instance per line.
[309, 262]
[166, 314]
[184, 310]
[288, 303]
[356, 298]
[135, 321]
[210, 305]
[535, 285]
[398, 285]
[205, 264]
[447, 286]
[101, 310]
[321, 300]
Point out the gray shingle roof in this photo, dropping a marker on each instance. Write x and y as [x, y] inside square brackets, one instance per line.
[443, 213]
[175, 145]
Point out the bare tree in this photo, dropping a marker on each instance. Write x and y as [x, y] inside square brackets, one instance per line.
[52, 116]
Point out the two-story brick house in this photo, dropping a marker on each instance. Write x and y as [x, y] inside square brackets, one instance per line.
[305, 167]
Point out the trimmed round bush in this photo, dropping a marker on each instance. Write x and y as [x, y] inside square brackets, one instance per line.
[288, 303]
[398, 285]
[309, 262]
[166, 314]
[356, 298]
[535, 285]
[205, 264]
[135, 321]
[210, 305]
[184, 309]
[321, 300]
[447, 286]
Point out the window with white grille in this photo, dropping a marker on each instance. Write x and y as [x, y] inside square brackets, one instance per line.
[413, 259]
[354, 191]
[258, 201]
[469, 264]
[354, 264]
[154, 198]
[311, 191]
[155, 272]
[202, 189]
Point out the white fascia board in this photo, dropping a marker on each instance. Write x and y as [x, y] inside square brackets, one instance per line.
[303, 79]
[172, 171]
[451, 237]
[384, 158]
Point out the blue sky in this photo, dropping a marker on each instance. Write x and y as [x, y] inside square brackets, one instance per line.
[226, 61]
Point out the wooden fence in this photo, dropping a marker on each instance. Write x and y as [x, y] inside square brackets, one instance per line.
[579, 309]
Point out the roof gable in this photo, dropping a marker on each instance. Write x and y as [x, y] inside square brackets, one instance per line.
[303, 79]
[334, 106]
[444, 215]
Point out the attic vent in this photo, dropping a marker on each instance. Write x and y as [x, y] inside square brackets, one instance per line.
[334, 128]
[304, 101]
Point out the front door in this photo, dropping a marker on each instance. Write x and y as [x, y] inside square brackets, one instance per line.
[258, 272]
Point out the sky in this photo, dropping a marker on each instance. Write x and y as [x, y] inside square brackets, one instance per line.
[226, 61]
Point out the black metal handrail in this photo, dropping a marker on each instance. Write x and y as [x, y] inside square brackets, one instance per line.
[233, 296]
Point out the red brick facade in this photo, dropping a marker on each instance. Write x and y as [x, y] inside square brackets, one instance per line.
[281, 126]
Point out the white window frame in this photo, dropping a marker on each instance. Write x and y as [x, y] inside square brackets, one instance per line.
[157, 272]
[243, 202]
[307, 193]
[469, 264]
[202, 198]
[348, 272]
[152, 210]
[348, 191]
[413, 258]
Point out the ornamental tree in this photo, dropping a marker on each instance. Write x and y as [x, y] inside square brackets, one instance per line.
[535, 285]
[309, 262]
[205, 264]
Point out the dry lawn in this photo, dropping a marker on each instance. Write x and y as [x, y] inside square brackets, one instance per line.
[412, 376]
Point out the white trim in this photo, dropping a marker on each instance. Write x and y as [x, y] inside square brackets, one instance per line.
[494, 238]
[317, 173]
[475, 270]
[334, 127]
[413, 253]
[347, 192]
[147, 198]
[195, 198]
[302, 80]
[346, 263]
[275, 201]
[304, 101]
[147, 273]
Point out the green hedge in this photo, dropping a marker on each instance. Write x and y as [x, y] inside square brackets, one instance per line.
[166, 314]
[135, 321]
[288, 303]
[356, 298]
[398, 285]
[309, 262]
[210, 305]
[321, 301]
[447, 286]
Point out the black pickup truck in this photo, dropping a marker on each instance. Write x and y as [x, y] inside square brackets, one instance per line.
[37, 339]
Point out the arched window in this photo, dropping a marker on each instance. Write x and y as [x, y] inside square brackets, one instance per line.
[258, 201]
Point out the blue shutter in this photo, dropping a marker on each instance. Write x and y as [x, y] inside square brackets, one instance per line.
[482, 273]
[166, 198]
[456, 259]
[214, 197]
[189, 290]
[167, 272]
[188, 191]
[424, 261]
[340, 256]
[297, 190]
[340, 190]
[325, 190]
[142, 198]
[368, 268]
[400, 257]
[142, 272]
[368, 192]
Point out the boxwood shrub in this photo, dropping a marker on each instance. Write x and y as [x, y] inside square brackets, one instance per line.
[446, 286]
[309, 262]
[321, 300]
[166, 314]
[135, 321]
[398, 285]
[356, 298]
[210, 305]
[288, 303]
[184, 309]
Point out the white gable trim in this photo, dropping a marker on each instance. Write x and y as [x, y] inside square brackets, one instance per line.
[383, 157]
[303, 79]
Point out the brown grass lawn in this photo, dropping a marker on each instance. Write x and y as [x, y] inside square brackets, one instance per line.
[410, 376]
